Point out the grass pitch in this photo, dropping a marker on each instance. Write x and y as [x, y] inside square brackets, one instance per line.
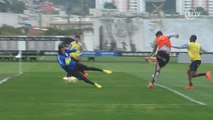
[41, 94]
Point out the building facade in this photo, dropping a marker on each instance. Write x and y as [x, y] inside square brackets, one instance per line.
[100, 3]
[183, 5]
[137, 6]
[210, 7]
[122, 5]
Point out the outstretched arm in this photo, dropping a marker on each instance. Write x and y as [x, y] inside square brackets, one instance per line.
[185, 46]
[202, 50]
[170, 36]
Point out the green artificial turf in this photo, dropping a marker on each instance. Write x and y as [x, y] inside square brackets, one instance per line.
[39, 93]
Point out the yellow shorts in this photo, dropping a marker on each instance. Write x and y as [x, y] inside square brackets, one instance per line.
[75, 55]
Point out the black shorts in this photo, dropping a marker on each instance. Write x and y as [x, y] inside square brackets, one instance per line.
[74, 59]
[162, 58]
[77, 71]
[194, 65]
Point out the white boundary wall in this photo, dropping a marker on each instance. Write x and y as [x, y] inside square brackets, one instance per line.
[141, 32]
[184, 58]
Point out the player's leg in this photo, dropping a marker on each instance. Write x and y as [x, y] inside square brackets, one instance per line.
[84, 67]
[198, 74]
[77, 60]
[156, 72]
[195, 74]
[67, 76]
[190, 74]
[80, 76]
[154, 76]
[162, 60]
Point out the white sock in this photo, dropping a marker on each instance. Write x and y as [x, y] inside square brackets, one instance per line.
[156, 75]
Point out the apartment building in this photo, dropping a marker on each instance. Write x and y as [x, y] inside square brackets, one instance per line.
[183, 5]
[124, 5]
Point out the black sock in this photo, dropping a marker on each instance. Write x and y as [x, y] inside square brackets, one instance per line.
[200, 74]
[190, 84]
[81, 77]
[88, 81]
[93, 69]
[82, 71]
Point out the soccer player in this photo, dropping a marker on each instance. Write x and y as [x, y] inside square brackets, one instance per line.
[163, 47]
[194, 52]
[76, 45]
[73, 68]
[76, 55]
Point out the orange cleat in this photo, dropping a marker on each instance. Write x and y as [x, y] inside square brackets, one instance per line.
[189, 87]
[86, 75]
[208, 75]
[150, 85]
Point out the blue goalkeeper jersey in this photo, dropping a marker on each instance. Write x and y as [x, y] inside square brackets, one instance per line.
[62, 60]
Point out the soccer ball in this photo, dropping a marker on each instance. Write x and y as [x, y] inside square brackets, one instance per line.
[71, 80]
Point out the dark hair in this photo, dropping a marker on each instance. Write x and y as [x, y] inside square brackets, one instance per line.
[77, 36]
[60, 46]
[158, 33]
[193, 38]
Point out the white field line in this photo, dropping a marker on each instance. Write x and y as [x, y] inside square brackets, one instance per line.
[6, 79]
[181, 94]
[41, 58]
[115, 104]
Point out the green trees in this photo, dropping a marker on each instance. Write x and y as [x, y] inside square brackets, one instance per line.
[17, 6]
[10, 30]
[201, 10]
[109, 5]
[76, 7]
[13, 6]
[52, 31]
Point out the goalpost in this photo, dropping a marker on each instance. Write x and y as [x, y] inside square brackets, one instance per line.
[18, 49]
[21, 47]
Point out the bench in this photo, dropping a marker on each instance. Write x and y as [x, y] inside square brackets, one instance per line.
[32, 58]
[6, 58]
[27, 58]
[91, 59]
[23, 58]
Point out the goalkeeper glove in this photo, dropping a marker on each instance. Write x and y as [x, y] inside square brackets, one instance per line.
[67, 60]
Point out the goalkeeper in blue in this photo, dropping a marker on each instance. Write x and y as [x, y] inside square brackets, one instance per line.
[73, 68]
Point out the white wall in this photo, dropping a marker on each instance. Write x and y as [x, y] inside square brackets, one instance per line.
[143, 32]
[9, 19]
[88, 40]
[184, 58]
[185, 28]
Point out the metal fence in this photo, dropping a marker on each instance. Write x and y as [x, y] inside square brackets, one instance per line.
[32, 43]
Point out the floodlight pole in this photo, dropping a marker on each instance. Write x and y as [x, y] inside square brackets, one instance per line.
[68, 15]
[82, 15]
